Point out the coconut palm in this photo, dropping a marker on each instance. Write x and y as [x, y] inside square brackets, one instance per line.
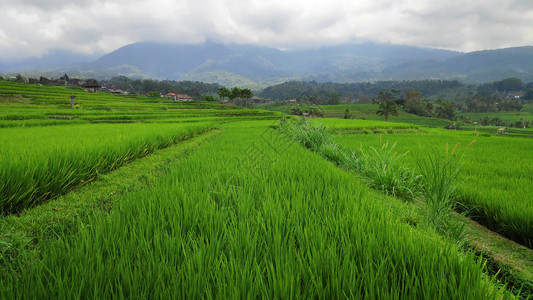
[387, 105]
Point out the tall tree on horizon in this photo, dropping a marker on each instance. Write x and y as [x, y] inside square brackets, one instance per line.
[387, 105]
[224, 93]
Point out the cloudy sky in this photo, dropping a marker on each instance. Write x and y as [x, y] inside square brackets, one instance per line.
[33, 27]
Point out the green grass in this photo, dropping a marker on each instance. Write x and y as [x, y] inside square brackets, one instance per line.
[365, 126]
[363, 112]
[33, 228]
[506, 116]
[496, 181]
[301, 228]
[37, 163]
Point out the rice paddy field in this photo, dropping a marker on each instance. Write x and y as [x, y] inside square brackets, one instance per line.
[496, 181]
[38, 163]
[366, 126]
[132, 197]
[363, 112]
[511, 116]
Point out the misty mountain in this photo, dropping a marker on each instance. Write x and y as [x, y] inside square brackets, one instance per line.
[256, 66]
[249, 65]
[52, 60]
[477, 67]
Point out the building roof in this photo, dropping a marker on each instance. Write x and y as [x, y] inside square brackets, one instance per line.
[91, 84]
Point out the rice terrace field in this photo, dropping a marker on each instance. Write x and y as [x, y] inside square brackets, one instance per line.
[144, 198]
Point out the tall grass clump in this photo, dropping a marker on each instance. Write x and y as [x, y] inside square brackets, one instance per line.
[385, 171]
[311, 136]
[317, 137]
[439, 184]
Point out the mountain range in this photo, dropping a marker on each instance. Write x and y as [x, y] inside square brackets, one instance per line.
[257, 66]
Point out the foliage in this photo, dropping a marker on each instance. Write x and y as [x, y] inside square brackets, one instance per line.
[208, 98]
[346, 114]
[445, 110]
[153, 94]
[416, 105]
[381, 167]
[480, 103]
[310, 135]
[223, 93]
[333, 93]
[238, 93]
[528, 96]
[387, 105]
[194, 89]
[511, 84]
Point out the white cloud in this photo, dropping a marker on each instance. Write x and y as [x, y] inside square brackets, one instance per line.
[33, 27]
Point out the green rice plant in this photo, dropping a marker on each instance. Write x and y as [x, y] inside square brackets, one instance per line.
[302, 228]
[495, 186]
[37, 164]
[361, 125]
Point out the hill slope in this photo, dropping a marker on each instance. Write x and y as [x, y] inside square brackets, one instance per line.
[245, 63]
[257, 66]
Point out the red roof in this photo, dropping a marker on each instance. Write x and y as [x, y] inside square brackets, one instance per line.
[183, 96]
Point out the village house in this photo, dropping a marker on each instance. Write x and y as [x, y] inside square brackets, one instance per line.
[91, 86]
[171, 96]
[514, 95]
[117, 92]
[184, 97]
[178, 97]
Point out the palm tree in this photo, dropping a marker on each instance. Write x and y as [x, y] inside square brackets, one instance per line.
[387, 105]
[223, 93]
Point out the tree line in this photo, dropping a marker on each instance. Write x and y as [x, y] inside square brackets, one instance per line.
[195, 89]
[453, 90]
[389, 102]
[412, 102]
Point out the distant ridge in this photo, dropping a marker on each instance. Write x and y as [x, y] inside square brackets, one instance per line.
[256, 66]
